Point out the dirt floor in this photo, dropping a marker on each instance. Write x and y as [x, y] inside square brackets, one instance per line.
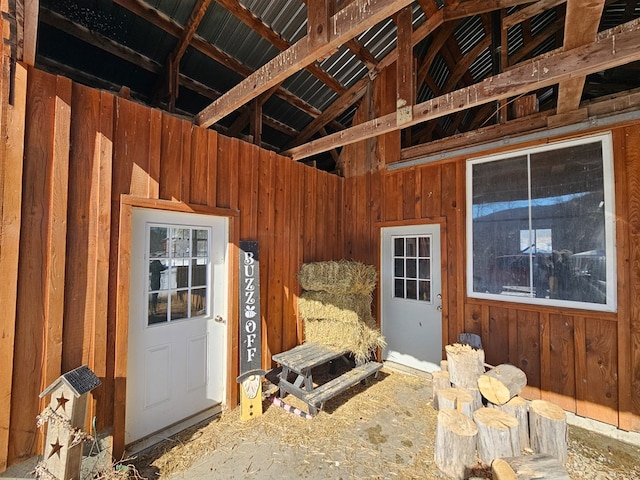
[382, 431]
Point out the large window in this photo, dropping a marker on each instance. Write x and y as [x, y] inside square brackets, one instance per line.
[540, 225]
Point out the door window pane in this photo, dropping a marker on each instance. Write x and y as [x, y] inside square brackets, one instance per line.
[538, 225]
[411, 262]
[179, 272]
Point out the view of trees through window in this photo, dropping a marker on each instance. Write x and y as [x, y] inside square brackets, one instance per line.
[540, 225]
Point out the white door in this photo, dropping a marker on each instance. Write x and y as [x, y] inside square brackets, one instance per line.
[411, 299]
[176, 353]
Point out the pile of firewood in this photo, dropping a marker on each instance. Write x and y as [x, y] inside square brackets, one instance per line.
[483, 419]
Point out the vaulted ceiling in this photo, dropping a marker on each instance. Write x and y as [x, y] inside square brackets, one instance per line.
[289, 74]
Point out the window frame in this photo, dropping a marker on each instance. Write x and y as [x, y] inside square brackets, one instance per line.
[605, 139]
[170, 290]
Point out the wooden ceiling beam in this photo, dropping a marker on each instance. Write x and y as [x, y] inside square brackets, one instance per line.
[168, 25]
[580, 28]
[405, 88]
[612, 48]
[529, 11]
[346, 24]
[172, 66]
[434, 21]
[247, 17]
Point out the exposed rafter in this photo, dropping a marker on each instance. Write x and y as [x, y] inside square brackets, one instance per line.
[613, 47]
[346, 24]
[581, 27]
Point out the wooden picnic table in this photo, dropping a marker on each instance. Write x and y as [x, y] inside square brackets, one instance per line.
[301, 360]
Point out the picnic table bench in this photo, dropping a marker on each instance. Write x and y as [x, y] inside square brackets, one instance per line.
[302, 359]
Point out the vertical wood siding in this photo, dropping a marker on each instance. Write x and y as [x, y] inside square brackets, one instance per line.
[84, 150]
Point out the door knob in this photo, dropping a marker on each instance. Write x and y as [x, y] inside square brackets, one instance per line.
[218, 319]
[439, 308]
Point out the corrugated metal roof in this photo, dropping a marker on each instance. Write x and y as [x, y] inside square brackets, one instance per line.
[288, 19]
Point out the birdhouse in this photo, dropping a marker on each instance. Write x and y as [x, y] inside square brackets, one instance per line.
[65, 418]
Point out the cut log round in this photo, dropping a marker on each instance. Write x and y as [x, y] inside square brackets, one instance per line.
[439, 381]
[528, 467]
[456, 399]
[548, 429]
[465, 365]
[502, 383]
[455, 449]
[501, 470]
[444, 365]
[518, 407]
[497, 434]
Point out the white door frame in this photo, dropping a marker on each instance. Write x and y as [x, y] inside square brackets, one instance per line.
[437, 308]
[127, 203]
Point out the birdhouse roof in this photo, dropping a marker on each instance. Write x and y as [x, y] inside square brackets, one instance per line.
[81, 380]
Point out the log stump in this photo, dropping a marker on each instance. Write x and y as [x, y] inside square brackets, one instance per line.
[519, 408]
[465, 365]
[502, 383]
[528, 467]
[497, 434]
[456, 399]
[439, 381]
[455, 449]
[548, 429]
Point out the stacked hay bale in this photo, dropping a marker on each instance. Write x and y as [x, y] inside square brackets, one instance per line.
[336, 307]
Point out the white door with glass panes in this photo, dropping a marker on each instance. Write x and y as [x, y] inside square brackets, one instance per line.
[176, 352]
[411, 298]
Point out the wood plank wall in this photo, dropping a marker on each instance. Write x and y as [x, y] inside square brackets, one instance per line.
[587, 362]
[13, 89]
[84, 150]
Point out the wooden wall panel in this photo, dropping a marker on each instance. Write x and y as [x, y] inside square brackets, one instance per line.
[87, 270]
[171, 157]
[495, 342]
[40, 295]
[430, 192]
[600, 399]
[266, 205]
[199, 172]
[528, 328]
[631, 363]
[248, 191]
[12, 130]
[310, 205]
[558, 378]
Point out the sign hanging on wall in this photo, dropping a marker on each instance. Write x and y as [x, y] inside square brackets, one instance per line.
[250, 335]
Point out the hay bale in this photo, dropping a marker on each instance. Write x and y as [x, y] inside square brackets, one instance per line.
[347, 308]
[338, 277]
[360, 338]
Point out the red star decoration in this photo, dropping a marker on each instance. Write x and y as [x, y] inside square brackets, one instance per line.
[62, 401]
[55, 448]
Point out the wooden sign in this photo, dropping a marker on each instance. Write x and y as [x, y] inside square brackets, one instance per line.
[251, 372]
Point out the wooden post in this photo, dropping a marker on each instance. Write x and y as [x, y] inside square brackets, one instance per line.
[518, 407]
[455, 450]
[502, 383]
[465, 363]
[497, 434]
[548, 429]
